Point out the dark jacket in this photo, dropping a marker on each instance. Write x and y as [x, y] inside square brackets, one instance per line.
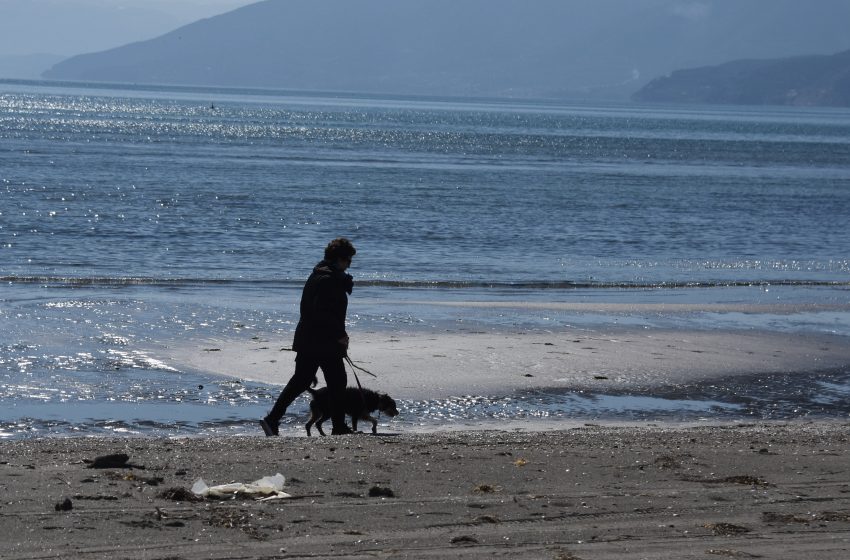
[324, 303]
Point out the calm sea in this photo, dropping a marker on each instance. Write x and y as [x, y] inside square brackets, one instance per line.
[132, 217]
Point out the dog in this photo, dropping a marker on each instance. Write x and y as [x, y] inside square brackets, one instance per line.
[358, 403]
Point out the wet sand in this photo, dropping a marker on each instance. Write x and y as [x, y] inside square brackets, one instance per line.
[593, 492]
[423, 365]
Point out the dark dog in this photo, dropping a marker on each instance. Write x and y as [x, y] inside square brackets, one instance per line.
[358, 403]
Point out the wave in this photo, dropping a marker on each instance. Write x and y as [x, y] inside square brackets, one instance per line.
[72, 281]
[140, 281]
[520, 285]
[571, 285]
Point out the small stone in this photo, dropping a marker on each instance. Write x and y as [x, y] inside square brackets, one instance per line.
[65, 505]
[377, 491]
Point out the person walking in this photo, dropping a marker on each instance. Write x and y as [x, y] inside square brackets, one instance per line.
[320, 337]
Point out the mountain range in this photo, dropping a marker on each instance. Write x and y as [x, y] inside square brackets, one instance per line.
[503, 48]
[801, 80]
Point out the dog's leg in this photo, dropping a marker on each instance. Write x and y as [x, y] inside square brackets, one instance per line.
[319, 424]
[315, 414]
[374, 422]
[310, 422]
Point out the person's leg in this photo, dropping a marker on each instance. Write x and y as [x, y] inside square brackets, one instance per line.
[305, 371]
[336, 379]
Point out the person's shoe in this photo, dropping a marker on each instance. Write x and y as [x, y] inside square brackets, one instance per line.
[343, 430]
[269, 427]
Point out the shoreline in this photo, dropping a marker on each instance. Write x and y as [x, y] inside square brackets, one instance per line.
[774, 490]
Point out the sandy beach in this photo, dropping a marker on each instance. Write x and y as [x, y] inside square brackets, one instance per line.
[592, 492]
[559, 490]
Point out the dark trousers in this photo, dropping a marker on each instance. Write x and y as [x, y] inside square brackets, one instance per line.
[306, 366]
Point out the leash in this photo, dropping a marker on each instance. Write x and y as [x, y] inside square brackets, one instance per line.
[356, 379]
[347, 359]
[354, 369]
[364, 370]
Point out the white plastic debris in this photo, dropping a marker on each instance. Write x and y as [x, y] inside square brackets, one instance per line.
[269, 486]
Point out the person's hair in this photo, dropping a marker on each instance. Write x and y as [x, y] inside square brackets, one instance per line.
[340, 248]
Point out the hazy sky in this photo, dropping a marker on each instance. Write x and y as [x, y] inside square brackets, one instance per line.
[69, 27]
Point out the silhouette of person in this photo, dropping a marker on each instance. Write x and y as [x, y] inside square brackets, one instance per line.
[320, 337]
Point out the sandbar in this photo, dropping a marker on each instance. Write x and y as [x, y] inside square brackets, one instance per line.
[425, 365]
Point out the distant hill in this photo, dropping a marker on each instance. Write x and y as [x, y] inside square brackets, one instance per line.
[801, 80]
[505, 48]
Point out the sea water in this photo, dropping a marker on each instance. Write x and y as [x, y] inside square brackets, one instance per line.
[136, 218]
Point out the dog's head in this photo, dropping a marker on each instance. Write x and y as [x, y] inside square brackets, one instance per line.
[387, 405]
